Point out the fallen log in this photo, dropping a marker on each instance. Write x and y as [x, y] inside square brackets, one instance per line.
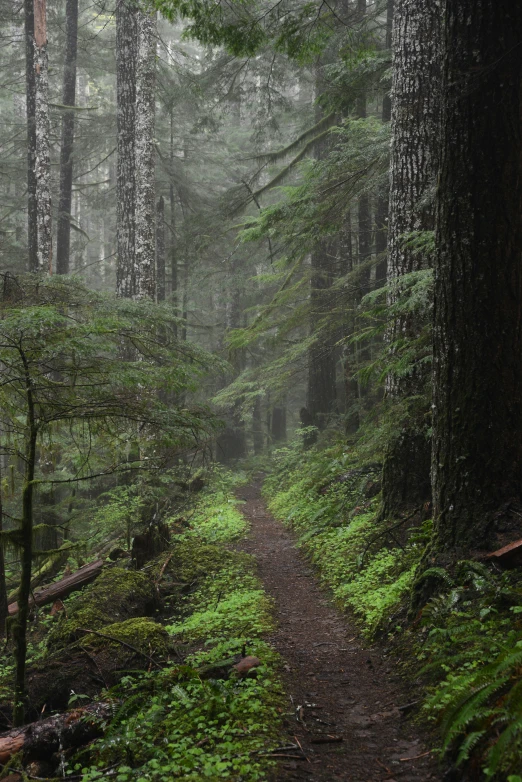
[65, 586]
[40, 740]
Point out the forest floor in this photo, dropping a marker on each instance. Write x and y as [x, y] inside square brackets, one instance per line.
[343, 703]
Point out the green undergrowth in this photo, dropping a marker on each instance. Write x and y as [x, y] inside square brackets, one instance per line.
[196, 719]
[464, 648]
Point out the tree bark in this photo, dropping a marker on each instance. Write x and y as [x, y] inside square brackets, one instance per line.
[160, 248]
[126, 56]
[415, 116]
[42, 131]
[63, 238]
[477, 402]
[30, 92]
[145, 250]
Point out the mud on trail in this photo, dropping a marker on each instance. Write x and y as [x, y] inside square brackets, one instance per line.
[343, 708]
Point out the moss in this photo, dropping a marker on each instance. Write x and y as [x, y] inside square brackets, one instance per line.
[144, 634]
[194, 561]
[116, 595]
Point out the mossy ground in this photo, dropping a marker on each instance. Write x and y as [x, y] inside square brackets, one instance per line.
[177, 723]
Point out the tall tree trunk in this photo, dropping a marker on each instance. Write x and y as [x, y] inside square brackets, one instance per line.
[363, 206]
[321, 395]
[145, 250]
[42, 130]
[381, 214]
[477, 403]
[63, 239]
[172, 201]
[126, 56]
[160, 248]
[30, 92]
[415, 116]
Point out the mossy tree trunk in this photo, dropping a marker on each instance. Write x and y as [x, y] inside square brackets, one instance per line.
[415, 119]
[477, 404]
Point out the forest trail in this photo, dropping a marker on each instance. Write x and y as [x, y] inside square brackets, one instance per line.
[335, 686]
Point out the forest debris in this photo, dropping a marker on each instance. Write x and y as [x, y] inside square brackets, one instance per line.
[65, 586]
[57, 607]
[40, 740]
[416, 757]
[509, 556]
[326, 740]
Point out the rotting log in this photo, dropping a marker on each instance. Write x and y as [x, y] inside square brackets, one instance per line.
[62, 731]
[65, 586]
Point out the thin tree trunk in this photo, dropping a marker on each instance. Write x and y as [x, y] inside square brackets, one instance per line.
[145, 155]
[257, 427]
[173, 248]
[477, 402]
[415, 115]
[126, 56]
[63, 239]
[30, 92]
[278, 428]
[20, 630]
[160, 248]
[3, 587]
[42, 130]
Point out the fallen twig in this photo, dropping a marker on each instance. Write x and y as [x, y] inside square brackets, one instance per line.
[404, 760]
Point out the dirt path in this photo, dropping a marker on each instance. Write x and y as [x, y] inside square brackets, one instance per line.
[337, 689]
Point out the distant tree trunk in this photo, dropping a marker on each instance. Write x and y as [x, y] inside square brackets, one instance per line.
[381, 213]
[30, 91]
[126, 56]
[415, 115]
[144, 152]
[322, 359]
[160, 248]
[172, 202]
[363, 206]
[257, 427]
[278, 429]
[42, 130]
[63, 239]
[477, 426]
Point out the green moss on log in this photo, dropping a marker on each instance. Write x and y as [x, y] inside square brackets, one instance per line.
[117, 595]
